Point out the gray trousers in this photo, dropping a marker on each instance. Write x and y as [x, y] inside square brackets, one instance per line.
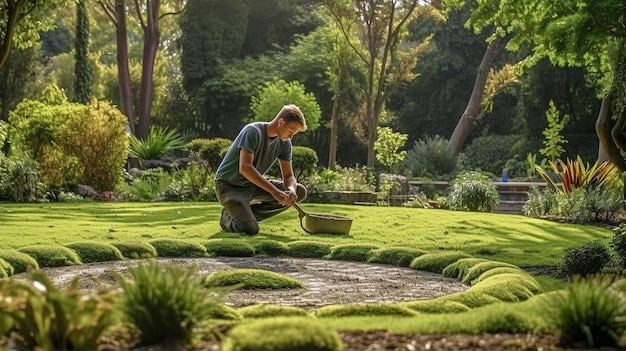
[246, 206]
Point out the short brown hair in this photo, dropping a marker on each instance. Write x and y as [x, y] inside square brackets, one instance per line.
[292, 113]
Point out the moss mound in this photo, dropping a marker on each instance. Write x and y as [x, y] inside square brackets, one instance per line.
[475, 271]
[270, 247]
[435, 306]
[509, 287]
[459, 268]
[397, 256]
[436, 262]
[178, 248]
[52, 255]
[229, 248]
[374, 309]
[91, 251]
[266, 311]
[308, 249]
[351, 252]
[498, 270]
[282, 334]
[251, 279]
[470, 298]
[18, 260]
[136, 250]
[3, 272]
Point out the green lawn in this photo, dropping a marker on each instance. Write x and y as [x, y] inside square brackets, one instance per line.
[515, 239]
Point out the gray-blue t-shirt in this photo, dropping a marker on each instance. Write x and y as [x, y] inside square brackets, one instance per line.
[253, 137]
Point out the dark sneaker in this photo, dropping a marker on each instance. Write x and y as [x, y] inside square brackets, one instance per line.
[224, 220]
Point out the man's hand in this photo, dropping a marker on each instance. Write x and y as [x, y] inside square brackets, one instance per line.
[286, 198]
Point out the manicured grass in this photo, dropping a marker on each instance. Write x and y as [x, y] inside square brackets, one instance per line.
[514, 239]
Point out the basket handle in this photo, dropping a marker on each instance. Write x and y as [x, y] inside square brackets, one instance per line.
[301, 214]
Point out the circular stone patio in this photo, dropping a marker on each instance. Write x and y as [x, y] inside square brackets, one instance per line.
[326, 282]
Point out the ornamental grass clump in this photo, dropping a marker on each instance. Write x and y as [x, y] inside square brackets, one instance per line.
[167, 303]
[93, 251]
[591, 312]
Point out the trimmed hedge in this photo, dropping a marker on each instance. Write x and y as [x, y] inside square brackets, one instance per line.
[92, 251]
[52, 255]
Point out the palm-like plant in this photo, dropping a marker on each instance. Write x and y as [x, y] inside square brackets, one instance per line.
[578, 174]
[159, 142]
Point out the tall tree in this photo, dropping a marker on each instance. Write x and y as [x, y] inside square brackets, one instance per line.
[82, 69]
[380, 26]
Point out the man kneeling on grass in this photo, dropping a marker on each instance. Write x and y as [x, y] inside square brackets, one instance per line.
[246, 195]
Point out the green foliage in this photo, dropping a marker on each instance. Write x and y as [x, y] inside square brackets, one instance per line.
[270, 247]
[135, 250]
[351, 252]
[488, 153]
[229, 247]
[159, 142]
[151, 185]
[273, 96]
[618, 243]
[210, 150]
[459, 268]
[397, 256]
[578, 174]
[304, 162]
[436, 262]
[93, 251]
[472, 191]
[553, 140]
[432, 157]
[589, 313]
[370, 309]
[585, 260]
[540, 202]
[51, 255]
[251, 279]
[19, 180]
[435, 306]
[47, 318]
[19, 260]
[584, 205]
[265, 311]
[283, 334]
[481, 267]
[387, 147]
[178, 248]
[166, 303]
[82, 68]
[308, 249]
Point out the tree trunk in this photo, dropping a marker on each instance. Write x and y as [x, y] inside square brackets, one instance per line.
[123, 70]
[334, 125]
[152, 37]
[463, 127]
[603, 130]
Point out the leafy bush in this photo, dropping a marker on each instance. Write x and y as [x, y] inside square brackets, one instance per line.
[398, 256]
[473, 191]
[19, 261]
[93, 251]
[229, 247]
[47, 318]
[618, 243]
[51, 255]
[388, 148]
[178, 248]
[585, 205]
[19, 180]
[372, 309]
[589, 313]
[251, 279]
[351, 252]
[159, 142]
[433, 158]
[308, 249]
[586, 259]
[150, 186]
[540, 202]
[436, 262]
[166, 303]
[283, 334]
[211, 151]
[488, 153]
[265, 311]
[135, 249]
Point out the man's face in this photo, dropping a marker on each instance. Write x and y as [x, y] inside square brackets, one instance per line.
[286, 130]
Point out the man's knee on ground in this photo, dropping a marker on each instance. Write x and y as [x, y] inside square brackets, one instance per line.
[250, 228]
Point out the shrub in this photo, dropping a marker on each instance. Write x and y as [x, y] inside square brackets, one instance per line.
[19, 180]
[270, 247]
[540, 202]
[308, 249]
[211, 151]
[283, 334]
[135, 249]
[251, 279]
[351, 252]
[51, 255]
[178, 248]
[459, 268]
[93, 251]
[229, 247]
[265, 311]
[19, 261]
[585, 205]
[473, 191]
[589, 313]
[489, 153]
[159, 142]
[436, 262]
[304, 161]
[433, 158]
[398, 256]
[586, 259]
[151, 185]
[435, 306]
[166, 303]
[479, 268]
[372, 309]
[618, 243]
